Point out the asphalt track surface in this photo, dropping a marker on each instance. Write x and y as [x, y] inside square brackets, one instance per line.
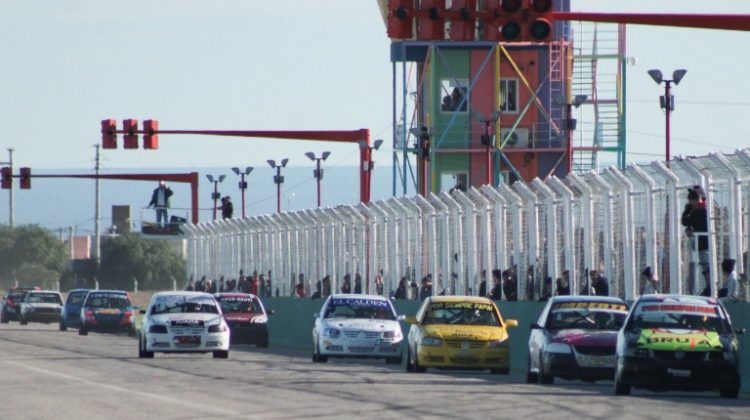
[48, 374]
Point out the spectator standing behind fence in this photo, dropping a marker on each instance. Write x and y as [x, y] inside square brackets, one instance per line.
[347, 286]
[299, 289]
[695, 220]
[496, 290]
[426, 290]
[510, 285]
[160, 202]
[402, 290]
[483, 284]
[650, 282]
[227, 208]
[599, 284]
[379, 283]
[357, 284]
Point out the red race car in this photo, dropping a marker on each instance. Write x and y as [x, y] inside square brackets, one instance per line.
[246, 317]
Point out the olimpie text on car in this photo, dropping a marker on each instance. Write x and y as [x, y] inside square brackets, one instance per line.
[678, 342]
[183, 322]
[357, 326]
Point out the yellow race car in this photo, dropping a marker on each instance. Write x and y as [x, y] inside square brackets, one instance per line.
[458, 332]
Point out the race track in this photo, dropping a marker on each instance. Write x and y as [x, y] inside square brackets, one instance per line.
[48, 374]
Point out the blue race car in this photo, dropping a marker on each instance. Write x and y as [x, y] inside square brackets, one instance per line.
[71, 316]
[107, 311]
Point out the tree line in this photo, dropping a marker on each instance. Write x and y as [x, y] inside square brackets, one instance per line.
[33, 256]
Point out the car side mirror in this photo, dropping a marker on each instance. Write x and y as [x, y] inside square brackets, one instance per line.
[411, 320]
[142, 312]
[401, 318]
[271, 312]
[511, 323]
[740, 331]
[535, 326]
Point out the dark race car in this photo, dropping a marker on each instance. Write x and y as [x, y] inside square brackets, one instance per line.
[10, 306]
[107, 311]
[71, 316]
[575, 338]
[678, 342]
[246, 317]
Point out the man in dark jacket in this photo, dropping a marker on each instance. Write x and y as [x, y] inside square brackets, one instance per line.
[695, 220]
[160, 201]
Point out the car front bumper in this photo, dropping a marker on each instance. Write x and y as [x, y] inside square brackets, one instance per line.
[444, 356]
[246, 332]
[678, 374]
[172, 343]
[351, 348]
[578, 366]
[43, 317]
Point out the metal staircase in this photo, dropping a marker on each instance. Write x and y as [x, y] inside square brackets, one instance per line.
[597, 57]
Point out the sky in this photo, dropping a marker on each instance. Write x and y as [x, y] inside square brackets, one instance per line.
[295, 65]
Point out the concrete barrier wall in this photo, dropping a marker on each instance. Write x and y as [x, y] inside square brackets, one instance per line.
[292, 323]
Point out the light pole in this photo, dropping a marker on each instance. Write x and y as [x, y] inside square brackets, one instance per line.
[318, 173]
[667, 101]
[243, 184]
[369, 165]
[11, 210]
[570, 122]
[215, 195]
[278, 180]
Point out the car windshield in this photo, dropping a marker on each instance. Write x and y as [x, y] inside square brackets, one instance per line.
[76, 298]
[461, 313]
[359, 308]
[16, 296]
[679, 316]
[183, 304]
[239, 304]
[587, 316]
[43, 298]
[98, 300]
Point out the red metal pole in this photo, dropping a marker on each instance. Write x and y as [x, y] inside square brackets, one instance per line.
[569, 135]
[668, 103]
[318, 162]
[489, 153]
[194, 196]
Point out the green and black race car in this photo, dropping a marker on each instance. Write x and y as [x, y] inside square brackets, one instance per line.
[678, 342]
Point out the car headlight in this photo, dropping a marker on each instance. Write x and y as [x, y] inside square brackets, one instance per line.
[332, 332]
[499, 343]
[157, 329]
[432, 341]
[260, 319]
[391, 335]
[217, 328]
[559, 348]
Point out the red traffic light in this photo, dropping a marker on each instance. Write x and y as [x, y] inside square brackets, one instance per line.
[25, 178]
[109, 134]
[130, 138]
[6, 177]
[150, 134]
[400, 19]
[540, 20]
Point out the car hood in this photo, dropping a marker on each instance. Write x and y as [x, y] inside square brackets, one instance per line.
[585, 338]
[686, 340]
[465, 332]
[168, 318]
[363, 324]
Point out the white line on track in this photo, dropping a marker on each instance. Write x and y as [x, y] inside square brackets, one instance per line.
[202, 407]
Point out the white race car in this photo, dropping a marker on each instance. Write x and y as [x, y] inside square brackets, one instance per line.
[183, 322]
[357, 326]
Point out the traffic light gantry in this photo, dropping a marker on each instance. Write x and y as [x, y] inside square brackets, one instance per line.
[496, 20]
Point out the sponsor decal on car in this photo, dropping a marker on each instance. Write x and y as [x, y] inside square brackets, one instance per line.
[700, 309]
[461, 305]
[591, 305]
[355, 302]
[660, 339]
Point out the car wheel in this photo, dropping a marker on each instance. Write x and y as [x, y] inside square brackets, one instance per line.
[221, 354]
[393, 360]
[142, 353]
[63, 327]
[409, 365]
[83, 331]
[544, 377]
[417, 368]
[729, 392]
[621, 388]
[531, 377]
[317, 357]
[3, 318]
[23, 321]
